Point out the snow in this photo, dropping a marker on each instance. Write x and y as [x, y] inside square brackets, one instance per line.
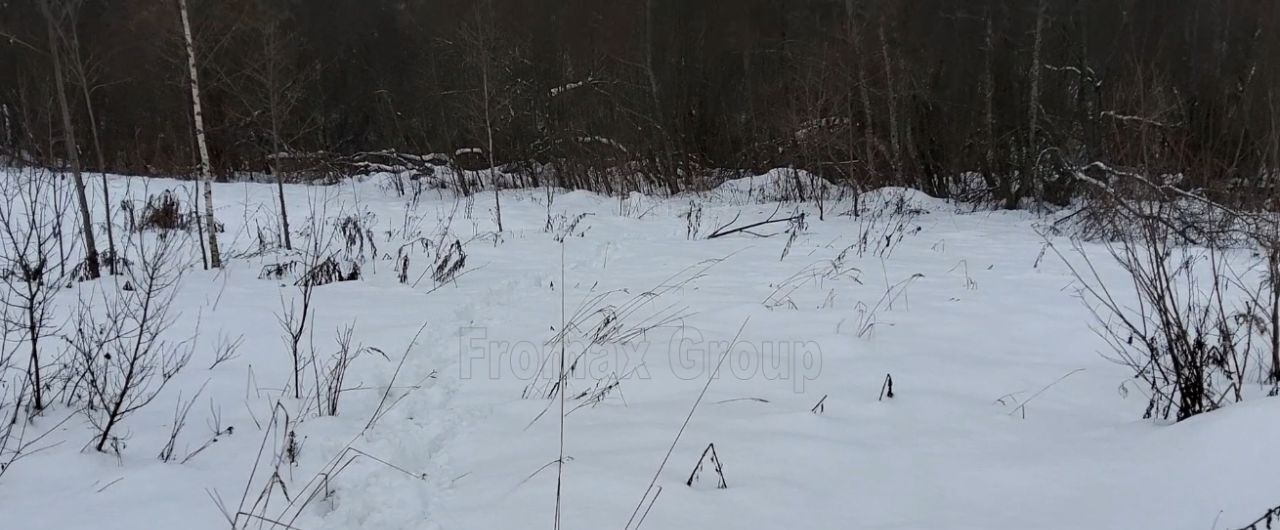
[963, 312]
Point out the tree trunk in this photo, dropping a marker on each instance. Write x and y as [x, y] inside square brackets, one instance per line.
[485, 33]
[1033, 109]
[989, 89]
[868, 134]
[215, 257]
[195, 213]
[102, 168]
[275, 168]
[867, 128]
[894, 142]
[284, 212]
[1273, 257]
[79, 66]
[91, 269]
[1001, 186]
[33, 369]
[273, 94]
[671, 177]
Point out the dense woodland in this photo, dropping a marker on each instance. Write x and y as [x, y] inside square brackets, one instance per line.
[1027, 94]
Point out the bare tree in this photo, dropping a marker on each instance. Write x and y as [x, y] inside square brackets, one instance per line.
[215, 257]
[988, 102]
[296, 314]
[868, 131]
[670, 166]
[276, 106]
[295, 321]
[53, 21]
[479, 40]
[1033, 109]
[486, 61]
[274, 85]
[122, 353]
[30, 271]
[85, 75]
[894, 138]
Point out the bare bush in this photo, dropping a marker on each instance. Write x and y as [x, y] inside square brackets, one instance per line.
[1116, 203]
[333, 375]
[607, 318]
[164, 211]
[816, 274]
[1187, 336]
[121, 351]
[795, 227]
[356, 232]
[1264, 303]
[563, 226]
[32, 269]
[692, 220]
[273, 504]
[320, 263]
[295, 318]
[329, 270]
[18, 441]
[404, 254]
[279, 271]
[181, 410]
[449, 262]
[882, 226]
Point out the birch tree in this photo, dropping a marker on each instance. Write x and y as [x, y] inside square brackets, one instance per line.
[215, 257]
[894, 142]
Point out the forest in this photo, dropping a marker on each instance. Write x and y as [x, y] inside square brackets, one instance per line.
[1003, 101]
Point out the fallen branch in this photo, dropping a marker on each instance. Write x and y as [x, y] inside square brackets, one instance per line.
[753, 225]
[724, 230]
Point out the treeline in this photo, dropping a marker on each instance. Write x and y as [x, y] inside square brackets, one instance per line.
[1006, 99]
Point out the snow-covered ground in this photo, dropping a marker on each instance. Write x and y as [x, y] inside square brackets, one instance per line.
[966, 312]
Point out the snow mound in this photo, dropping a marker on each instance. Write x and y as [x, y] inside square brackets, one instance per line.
[779, 184]
[902, 199]
[786, 184]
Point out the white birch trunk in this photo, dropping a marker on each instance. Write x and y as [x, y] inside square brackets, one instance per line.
[215, 257]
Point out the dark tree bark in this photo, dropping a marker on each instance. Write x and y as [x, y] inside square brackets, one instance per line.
[91, 269]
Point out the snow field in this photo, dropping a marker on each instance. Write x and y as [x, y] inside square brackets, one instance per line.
[960, 308]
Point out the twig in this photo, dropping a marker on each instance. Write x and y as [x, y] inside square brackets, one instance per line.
[109, 484]
[1023, 406]
[820, 407]
[715, 460]
[378, 411]
[756, 399]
